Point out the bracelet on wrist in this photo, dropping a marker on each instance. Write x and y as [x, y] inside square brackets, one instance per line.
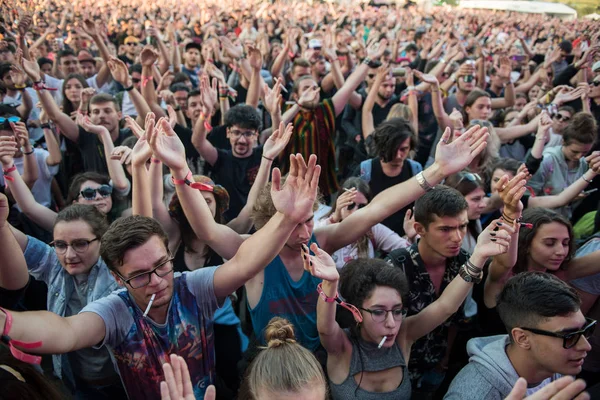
[355, 312]
[128, 89]
[27, 153]
[13, 344]
[194, 185]
[267, 158]
[587, 180]
[8, 171]
[46, 126]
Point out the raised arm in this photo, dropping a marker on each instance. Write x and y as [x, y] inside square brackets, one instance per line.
[493, 241]
[168, 148]
[55, 155]
[509, 89]
[115, 169]
[322, 266]
[274, 145]
[199, 140]
[368, 125]
[413, 103]
[31, 170]
[67, 126]
[141, 189]
[436, 100]
[119, 71]
[39, 214]
[13, 274]
[342, 96]
[91, 29]
[148, 57]
[454, 157]
[294, 204]
[255, 59]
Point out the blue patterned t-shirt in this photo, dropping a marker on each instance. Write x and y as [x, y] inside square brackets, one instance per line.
[139, 346]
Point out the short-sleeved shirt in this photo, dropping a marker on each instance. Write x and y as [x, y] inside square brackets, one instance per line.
[140, 346]
[314, 132]
[237, 176]
[92, 150]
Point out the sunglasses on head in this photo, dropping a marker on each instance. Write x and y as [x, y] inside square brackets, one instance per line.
[5, 122]
[469, 176]
[352, 205]
[90, 193]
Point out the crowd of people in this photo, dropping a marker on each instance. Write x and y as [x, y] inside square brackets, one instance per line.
[297, 200]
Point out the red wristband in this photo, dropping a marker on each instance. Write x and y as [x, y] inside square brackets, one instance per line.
[6, 176]
[324, 296]
[155, 160]
[145, 80]
[194, 185]
[11, 343]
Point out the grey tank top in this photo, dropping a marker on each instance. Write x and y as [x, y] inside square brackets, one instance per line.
[373, 359]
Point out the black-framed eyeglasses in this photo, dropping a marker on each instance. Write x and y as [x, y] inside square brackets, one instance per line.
[78, 245]
[380, 315]
[596, 83]
[143, 279]
[238, 133]
[561, 118]
[570, 339]
[90, 193]
[351, 206]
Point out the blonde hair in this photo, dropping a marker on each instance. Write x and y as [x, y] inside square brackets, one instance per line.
[284, 366]
[400, 111]
[264, 208]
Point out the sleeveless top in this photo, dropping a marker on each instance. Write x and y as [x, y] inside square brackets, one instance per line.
[367, 357]
[295, 301]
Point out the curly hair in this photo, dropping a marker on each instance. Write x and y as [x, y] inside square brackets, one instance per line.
[359, 278]
[537, 217]
[244, 116]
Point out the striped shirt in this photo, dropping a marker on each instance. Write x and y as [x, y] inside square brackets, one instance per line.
[314, 132]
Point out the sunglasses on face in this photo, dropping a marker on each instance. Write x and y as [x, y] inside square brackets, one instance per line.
[596, 83]
[561, 118]
[352, 205]
[468, 78]
[570, 339]
[136, 80]
[90, 193]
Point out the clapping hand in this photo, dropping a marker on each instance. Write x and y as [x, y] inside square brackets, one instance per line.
[167, 146]
[511, 191]
[141, 151]
[122, 154]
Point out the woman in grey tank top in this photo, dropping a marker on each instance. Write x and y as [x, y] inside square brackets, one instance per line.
[370, 361]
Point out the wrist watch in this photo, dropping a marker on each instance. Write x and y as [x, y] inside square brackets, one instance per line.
[467, 277]
[423, 182]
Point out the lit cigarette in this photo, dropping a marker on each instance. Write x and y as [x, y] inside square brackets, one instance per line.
[380, 343]
[283, 88]
[150, 305]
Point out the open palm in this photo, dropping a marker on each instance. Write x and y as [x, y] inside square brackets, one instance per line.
[166, 145]
[297, 196]
[455, 156]
[141, 151]
[320, 265]
[278, 140]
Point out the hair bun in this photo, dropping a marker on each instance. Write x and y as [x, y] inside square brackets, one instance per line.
[278, 332]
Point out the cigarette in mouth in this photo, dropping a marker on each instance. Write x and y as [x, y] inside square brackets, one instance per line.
[380, 343]
[150, 305]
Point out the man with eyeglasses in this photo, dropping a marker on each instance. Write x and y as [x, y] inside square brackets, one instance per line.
[236, 168]
[159, 313]
[547, 339]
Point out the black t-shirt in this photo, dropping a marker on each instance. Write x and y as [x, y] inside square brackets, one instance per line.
[237, 176]
[380, 181]
[191, 154]
[218, 137]
[92, 149]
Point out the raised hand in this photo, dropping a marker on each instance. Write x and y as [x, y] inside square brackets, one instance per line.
[215, 72]
[209, 92]
[165, 81]
[148, 56]
[178, 384]
[511, 192]
[229, 48]
[492, 242]
[504, 69]
[122, 154]
[119, 71]
[18, 76]
[273, 97]
[309, 97]
[277, 141]
[409, 225]
[24, 25]
[427, 78]
[86, 123]
[320, 265]
[31, 68]
[89, 27]
[167, 146]
[255, 57]
[21, 133]
[567, 96]
[172, 114]
[167, 96]
[376, 50]
[456, 118]
[297, 196]
[454, 157]
[87, 94]
[8, 148]
[141, 151]
[593, 161]
[133, 125]
[544, 125]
